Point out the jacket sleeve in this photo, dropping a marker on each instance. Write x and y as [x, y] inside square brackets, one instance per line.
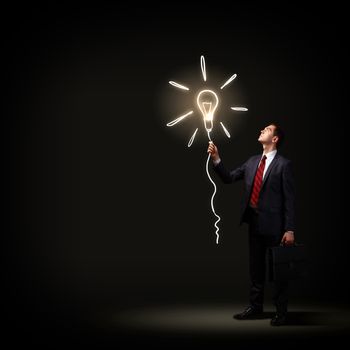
[289, 198]
[230, 176]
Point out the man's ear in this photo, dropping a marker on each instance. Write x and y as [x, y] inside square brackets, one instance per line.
[275, 139]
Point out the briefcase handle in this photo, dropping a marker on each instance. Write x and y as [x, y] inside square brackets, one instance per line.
[295, 244]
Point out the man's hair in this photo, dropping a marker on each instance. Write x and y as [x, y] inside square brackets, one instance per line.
[279, 133]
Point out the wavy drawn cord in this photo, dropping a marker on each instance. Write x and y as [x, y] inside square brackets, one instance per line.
[212, 198]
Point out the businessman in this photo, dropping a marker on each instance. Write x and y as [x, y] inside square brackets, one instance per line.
[268, 207]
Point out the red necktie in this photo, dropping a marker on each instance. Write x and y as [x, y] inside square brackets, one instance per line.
[257, 183]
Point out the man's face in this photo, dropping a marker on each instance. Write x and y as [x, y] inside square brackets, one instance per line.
[267, 134]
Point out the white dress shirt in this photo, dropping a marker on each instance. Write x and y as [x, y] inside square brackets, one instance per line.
[269, 158]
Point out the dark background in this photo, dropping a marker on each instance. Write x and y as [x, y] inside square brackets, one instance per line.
[108, 207]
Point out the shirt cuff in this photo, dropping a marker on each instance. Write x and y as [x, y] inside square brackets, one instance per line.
[216, 162]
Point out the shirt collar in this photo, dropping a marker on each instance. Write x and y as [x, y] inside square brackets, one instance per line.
[271, 154]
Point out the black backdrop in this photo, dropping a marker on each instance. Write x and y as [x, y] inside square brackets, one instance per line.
[109, 207]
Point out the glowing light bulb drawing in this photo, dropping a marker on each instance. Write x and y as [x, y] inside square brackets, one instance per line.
[207, 102]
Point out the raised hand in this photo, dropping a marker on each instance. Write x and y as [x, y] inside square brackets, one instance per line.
[213, 150]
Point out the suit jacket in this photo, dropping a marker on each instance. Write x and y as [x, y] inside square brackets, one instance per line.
[276, 206]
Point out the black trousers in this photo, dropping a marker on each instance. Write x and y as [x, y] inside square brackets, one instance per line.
[258, 245]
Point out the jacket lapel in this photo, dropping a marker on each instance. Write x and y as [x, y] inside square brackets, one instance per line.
[268, 171]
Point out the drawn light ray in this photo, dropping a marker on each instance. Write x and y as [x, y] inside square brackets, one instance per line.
[192, 138]
[204, 72]
[225, 130]
[240, 109]
[177, 120]
[174, 83]
[229, 80]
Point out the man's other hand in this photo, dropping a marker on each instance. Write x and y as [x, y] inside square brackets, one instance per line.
[288, 238]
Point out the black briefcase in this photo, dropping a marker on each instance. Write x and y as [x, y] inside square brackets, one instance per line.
[287, 262]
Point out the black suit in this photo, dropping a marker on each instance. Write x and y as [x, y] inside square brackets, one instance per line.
[273, 216]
